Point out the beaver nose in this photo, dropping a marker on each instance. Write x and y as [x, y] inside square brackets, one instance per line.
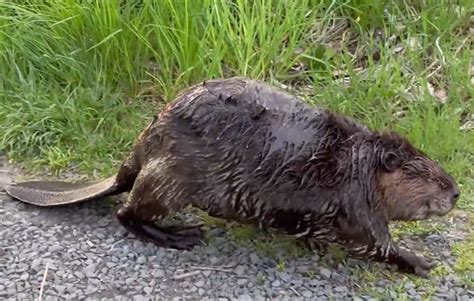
[455, 194]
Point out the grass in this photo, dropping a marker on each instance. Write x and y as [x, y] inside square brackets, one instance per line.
[464, 252]
[80, 79]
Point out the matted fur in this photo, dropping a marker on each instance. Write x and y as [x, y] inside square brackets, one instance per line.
[243, 150]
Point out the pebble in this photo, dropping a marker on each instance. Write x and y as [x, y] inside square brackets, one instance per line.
[55, 248]
[240, 270]
[284, 276]
[200, 283]
[303, 268]
[254, 258]
[326, 273]
[434, 238]
[242, 282]
[141, 260]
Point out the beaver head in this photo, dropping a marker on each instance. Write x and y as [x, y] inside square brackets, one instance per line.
[410, 185]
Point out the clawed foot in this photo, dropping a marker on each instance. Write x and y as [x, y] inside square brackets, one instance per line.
[181, 238]
[415, 264]
[176, 237]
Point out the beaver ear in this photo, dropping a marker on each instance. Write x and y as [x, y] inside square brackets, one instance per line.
[391, 161]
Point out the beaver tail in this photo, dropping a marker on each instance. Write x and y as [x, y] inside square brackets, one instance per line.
[55, 193]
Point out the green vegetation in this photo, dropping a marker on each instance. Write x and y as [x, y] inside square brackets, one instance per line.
[420, 228]
[80, 79]
[464, 252]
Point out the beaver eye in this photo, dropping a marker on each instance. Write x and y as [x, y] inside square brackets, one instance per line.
[391, 161]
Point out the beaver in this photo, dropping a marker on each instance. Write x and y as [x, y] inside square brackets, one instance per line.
[243, 150]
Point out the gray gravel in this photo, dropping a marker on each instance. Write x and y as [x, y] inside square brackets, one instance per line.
[88, 255]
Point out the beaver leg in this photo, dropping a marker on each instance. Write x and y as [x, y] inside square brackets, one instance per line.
[406, 260]
[362, 244]
[181, 238]
[153, 198]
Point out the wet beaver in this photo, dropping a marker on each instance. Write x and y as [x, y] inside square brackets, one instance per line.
[242, 150]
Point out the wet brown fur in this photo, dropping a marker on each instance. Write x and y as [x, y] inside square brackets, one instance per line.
[242, 150]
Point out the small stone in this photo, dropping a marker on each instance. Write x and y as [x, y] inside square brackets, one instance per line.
[159, 273]
[242, 282]
[215, 260]
[110, 264]
[303, 269]
[130, 280]
[148, 290]
[141, 260]
[259, 297]
[190, 290]
[284, 276]
[89, 271]
[138, 298]
[79, 274]
[185, 283]
[276, 283]
[254, 258]
[326, 273]
[90, 290]
[297, 282]
[241, 270]
[245, 298]
[55, 248]
[307, 294]
[52, 267]
[200, 283]
[434, 238]
[35, 264]
[22, 296]
[201, 292]
[340, 289]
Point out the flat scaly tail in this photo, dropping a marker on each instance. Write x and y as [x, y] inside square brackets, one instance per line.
[55, 193]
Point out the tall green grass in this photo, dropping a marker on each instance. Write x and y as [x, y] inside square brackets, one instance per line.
[79, 79]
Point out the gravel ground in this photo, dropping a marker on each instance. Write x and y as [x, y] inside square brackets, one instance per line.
[88, 255]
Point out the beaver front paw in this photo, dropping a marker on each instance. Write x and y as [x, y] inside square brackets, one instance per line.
[413, 263]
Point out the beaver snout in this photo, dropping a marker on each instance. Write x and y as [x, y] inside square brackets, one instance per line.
[455, 193]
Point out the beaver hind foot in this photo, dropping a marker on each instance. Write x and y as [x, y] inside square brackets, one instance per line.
[175, 237]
